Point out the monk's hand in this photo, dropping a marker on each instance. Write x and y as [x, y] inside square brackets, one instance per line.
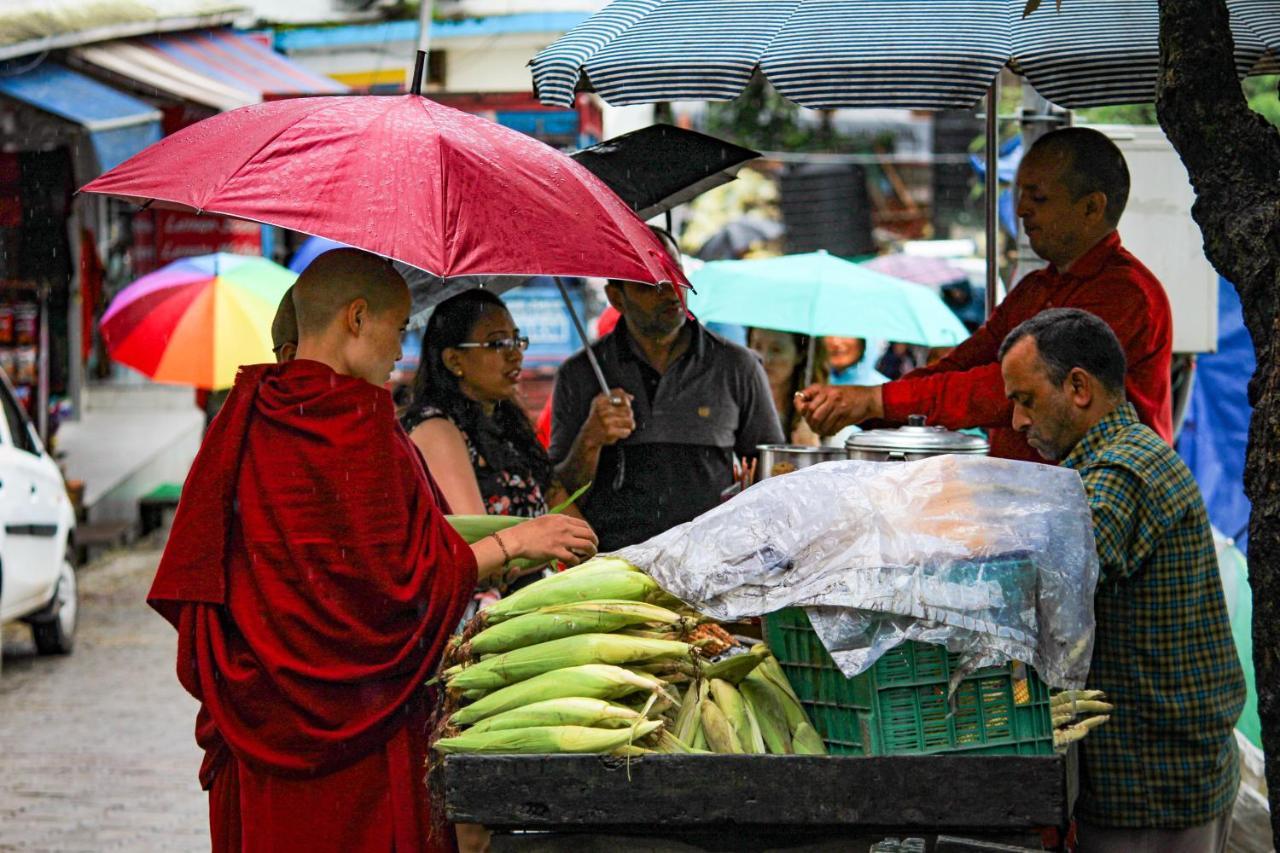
[553, 537]
[830, 408]
[611, 418]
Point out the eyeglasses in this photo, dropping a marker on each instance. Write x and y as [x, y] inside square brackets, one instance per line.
[504, 345]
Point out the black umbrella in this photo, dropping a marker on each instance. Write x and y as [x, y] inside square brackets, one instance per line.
[736, 237]
[658, 167]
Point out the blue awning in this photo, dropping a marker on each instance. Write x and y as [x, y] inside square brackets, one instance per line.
[118, 125]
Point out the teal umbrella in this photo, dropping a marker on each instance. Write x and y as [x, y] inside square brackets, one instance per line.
[820, 294]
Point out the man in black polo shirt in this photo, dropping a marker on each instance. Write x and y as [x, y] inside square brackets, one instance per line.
[688, 401]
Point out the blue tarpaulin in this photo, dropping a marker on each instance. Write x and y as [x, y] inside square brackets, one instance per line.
[1217, 425]
[119, 126]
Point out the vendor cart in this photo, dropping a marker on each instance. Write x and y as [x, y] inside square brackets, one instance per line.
[761, 802]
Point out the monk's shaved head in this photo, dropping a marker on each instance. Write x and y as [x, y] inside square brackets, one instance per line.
[336, 279]
[284, 328]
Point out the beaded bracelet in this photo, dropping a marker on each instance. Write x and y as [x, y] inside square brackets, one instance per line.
[506, 558]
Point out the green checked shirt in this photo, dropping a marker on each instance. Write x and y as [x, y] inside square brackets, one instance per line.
[1162, 647]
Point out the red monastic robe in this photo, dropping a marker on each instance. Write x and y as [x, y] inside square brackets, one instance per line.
[313, 580]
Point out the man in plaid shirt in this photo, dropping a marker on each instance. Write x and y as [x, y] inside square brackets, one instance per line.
[1161, 775]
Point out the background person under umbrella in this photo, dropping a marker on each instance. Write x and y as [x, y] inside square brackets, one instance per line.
[785, 359]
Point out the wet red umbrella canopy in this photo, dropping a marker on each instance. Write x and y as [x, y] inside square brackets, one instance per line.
[404, 177]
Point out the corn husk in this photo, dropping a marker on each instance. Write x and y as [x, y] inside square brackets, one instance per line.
[520, 664]
[567, 620]
[762, 697]
[593, 681]
[546, 739]
[807, 741]
[734, 669]
[567, 587]
[566, 711]
[719, 732]
[730, 702]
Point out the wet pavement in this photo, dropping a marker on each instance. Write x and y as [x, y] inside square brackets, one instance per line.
[96, 749]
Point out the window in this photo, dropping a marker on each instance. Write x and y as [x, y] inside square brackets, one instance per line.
[17, 422]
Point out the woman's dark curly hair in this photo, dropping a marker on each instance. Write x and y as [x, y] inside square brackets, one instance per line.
[506, 441]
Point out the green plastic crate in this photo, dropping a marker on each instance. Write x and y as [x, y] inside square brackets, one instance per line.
[900, 705]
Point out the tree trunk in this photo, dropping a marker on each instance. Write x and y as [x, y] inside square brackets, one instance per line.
[1233, 158]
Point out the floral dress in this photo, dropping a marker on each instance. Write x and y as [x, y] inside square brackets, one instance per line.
[505, 491]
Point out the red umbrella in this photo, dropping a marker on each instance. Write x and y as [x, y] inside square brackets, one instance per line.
[403, 177]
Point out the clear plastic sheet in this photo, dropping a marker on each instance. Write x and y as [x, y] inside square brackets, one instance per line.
[991, 558]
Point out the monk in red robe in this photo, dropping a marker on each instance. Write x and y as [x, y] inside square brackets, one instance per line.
[314, 580]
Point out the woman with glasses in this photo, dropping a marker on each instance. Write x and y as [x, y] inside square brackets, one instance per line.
[478, 443]
[463, 413]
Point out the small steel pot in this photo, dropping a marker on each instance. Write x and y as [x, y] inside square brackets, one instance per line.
[778, 459]
[916, 440]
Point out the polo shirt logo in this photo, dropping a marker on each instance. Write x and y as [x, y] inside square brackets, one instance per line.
[704, 411]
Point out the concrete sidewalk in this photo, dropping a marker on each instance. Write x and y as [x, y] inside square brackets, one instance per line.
[97, 750]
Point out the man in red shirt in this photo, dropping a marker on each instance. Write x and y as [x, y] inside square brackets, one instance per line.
[1072, 188]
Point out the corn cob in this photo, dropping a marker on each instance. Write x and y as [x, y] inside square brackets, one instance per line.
[565, 620]
[699, 741]
[1066, 697]
[1066, 712]
[672, 745]
[565, 588]
[684, 724]
[1071, 734]
[546, 739]
[1084, 706]
[519, 664]
[567, 711]
[729, 700]
[473, 528]
[600, 563]
[807, 741]
[792, 710]
[734, 669]
[719, 732]
[757, 737]
[593, 681]
[763, 699]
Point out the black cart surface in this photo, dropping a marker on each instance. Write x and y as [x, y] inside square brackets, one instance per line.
[756, 802]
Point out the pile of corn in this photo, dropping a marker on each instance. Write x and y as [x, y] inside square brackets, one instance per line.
[594, 660]
[1066, 706]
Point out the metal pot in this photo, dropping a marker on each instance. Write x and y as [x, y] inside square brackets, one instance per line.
[916, 440]
[778, 459]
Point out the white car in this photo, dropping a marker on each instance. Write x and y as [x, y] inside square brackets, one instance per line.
[37, 580]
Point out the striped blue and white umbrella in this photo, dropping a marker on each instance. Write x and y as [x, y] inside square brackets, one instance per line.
[923, 54]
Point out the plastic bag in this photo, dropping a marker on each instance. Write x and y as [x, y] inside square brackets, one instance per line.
[993, 559]
[1251, 813]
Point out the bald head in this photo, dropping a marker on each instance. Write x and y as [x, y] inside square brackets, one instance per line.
[284, 328]
[336, 279]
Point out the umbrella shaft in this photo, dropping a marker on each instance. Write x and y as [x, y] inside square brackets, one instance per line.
[582, 333]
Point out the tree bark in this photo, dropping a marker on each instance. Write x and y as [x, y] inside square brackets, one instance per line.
[1233, 158]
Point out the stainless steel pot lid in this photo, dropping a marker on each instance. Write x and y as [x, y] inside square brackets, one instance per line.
[804, 449]
[916, 437]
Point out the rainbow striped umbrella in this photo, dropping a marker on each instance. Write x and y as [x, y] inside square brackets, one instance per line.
[195, 321]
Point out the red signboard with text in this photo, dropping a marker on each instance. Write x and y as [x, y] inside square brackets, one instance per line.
[163, 236]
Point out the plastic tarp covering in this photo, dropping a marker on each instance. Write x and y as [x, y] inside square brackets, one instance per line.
[1234, 569]
[119, 126]
[1217, 425]
[993, 559]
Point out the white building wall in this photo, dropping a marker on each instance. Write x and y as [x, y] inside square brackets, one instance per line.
[499, 64]
[484, 8]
